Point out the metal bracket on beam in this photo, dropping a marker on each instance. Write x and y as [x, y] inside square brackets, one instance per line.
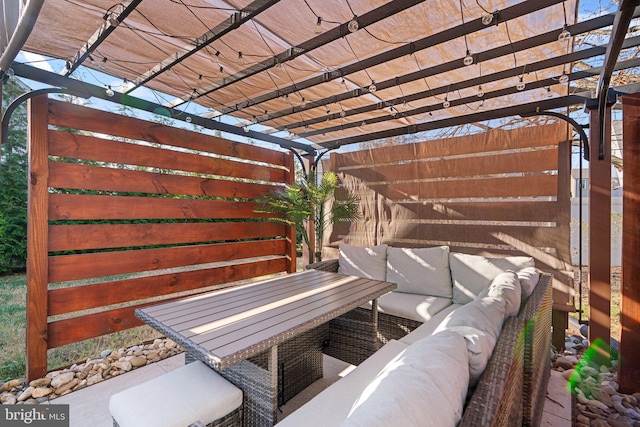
[609, 98]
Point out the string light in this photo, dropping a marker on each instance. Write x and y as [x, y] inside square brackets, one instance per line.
[318, 29]
[353, 25]
[446, 103]
[488, 19]
[480, 92]
[240, 58]
[372, 87]
[521, 85]
[109, 92]
[188, 119]
[468, 60]
[564, 78]
[564, 35]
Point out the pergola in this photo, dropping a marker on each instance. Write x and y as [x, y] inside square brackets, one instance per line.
[311, 76]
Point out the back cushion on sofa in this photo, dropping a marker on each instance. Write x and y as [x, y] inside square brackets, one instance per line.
[423, 271]
[529, 277]
[425, 387]
[506, 286]
[471, 274]
[369, 263]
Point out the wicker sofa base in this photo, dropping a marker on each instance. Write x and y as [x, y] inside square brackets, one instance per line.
[353, 336]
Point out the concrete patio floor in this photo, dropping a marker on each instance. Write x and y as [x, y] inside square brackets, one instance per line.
[89, 407]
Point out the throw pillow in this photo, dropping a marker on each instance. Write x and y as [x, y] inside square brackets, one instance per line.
[369, 263]
[423, 271]
[507, 286]
[529, 277]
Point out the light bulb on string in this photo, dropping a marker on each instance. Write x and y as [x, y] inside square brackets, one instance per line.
[487, 19]
[480, 92]
[564, 78]
[343, 113]
[353, 25]
[549, 93]
[521, 85]
[446, 103]
[109, 92]
[372, 87]
[188, 119]
[318, 29]
[241, 58]
[468, 59]
[564, 35]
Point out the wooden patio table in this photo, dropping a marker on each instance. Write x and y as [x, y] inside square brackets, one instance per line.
[242, 332]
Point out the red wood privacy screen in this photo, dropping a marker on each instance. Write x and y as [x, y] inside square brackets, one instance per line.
[122, 210]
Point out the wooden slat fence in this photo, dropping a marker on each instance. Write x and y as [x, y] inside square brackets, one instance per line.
[502, 192]
[122, 210]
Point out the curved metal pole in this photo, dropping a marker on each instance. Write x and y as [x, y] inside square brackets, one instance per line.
[301, 160]
[621, 23]
[584, 145]
[20, 34]
[317, 160]
[6, 117]
[584, 141]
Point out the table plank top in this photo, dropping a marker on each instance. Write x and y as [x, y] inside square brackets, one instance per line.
[230, 325]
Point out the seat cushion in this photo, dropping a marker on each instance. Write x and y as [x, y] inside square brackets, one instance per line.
[424, 386]
[423, 271]
[180, 397]
[332, 406]
[369, 263]
[471, 274]
[427, 328]
[420, 308]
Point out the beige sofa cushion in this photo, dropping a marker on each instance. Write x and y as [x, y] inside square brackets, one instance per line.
[427, 328]
[471, 274]
[423, 271]
[529, 277]
[420, 308]
[506, 286]
[425, 386]
[332, 406]
[370, 263]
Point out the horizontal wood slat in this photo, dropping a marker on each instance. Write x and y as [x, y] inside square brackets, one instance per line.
[75, 146]
[527, 186]
[75, 329]
[86, 177]
[67, 300]
[82, 266]
[101, 236]
[542, 211]
[522, 162]
[95, 207]
[495, 140]
[78, 117]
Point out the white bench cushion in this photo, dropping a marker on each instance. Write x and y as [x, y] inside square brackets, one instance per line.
[369, 263]
[180, 397]
[425, 386]
[423, 271]
[420, 308]
[332, 406]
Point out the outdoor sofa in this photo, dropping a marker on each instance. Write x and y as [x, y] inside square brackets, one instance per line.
[464, 340]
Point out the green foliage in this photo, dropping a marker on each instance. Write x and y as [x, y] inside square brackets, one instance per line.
[13, 186]
[307, 201]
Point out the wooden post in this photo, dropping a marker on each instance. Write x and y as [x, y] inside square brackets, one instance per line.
[37, 238]
[629, 362]
[291, 230]
[600, 235]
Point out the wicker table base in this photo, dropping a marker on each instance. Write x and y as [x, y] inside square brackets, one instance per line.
[271, 378]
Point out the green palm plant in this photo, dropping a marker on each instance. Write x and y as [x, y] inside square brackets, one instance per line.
[306, 201]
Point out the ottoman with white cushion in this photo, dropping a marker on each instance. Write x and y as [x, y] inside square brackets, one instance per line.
[190, 395]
